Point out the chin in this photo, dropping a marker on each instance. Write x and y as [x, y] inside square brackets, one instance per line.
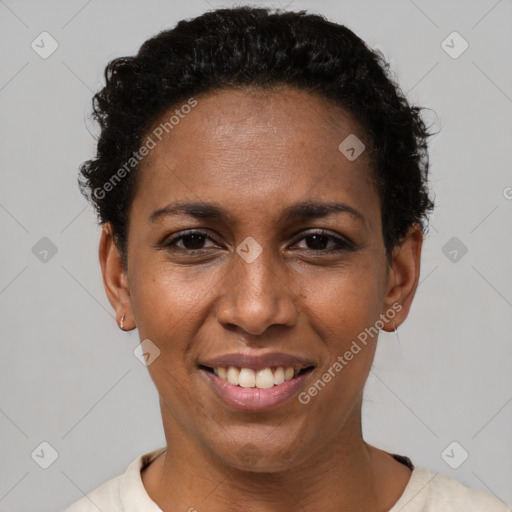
[262, 454]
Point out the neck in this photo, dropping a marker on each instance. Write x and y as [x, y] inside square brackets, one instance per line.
[344, 473]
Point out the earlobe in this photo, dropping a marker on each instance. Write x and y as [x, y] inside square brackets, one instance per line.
[115, 280]
[403, 278]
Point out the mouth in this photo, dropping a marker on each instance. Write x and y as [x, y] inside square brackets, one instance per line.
[263, 378]
[260, 387]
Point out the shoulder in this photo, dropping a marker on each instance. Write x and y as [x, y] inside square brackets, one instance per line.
[104, 497]
[428, 491]
[123, 493]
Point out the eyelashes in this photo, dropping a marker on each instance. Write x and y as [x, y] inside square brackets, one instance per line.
[195, 235]
[315, 237]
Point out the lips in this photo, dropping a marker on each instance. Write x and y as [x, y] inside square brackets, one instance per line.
[258, 362]
[256, 383]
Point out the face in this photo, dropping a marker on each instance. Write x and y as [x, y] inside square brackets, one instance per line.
[254, 276]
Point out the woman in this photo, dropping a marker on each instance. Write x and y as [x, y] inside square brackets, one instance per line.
[262, 187]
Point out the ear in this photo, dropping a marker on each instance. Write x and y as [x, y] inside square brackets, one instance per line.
[115, 279]
[403, 277]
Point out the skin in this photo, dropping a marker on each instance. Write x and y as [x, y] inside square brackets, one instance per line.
[255, 153]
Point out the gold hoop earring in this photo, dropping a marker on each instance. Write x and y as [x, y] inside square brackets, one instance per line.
[121, 323]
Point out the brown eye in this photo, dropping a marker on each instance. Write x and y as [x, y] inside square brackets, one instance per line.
[319, 242]
[190, 241]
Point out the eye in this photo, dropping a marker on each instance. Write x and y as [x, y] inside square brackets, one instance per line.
[191, 241]
[318, 241]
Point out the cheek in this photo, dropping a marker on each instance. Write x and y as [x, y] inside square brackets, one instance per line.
[343, 303]
[167, 306]
[165, 301]
[343, 310]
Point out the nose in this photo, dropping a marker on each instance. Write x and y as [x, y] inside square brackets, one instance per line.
[256, 295]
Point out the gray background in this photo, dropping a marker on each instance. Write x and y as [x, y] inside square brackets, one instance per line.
[68, 374]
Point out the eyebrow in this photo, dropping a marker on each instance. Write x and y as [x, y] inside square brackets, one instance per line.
[297, 211]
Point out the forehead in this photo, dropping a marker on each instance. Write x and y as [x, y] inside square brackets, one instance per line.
[251, 149]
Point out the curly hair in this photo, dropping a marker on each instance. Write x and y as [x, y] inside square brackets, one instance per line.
[263, 48]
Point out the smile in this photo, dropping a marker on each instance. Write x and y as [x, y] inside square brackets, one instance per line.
[264, 378]
[241, 388]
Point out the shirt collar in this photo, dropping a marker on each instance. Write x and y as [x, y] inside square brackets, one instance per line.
[132, 493]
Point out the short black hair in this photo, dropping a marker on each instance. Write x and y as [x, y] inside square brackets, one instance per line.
[263, 48]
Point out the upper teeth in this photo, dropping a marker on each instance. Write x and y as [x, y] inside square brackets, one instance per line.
[248, 378]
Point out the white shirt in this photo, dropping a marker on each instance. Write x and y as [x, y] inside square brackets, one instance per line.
[425, 492]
